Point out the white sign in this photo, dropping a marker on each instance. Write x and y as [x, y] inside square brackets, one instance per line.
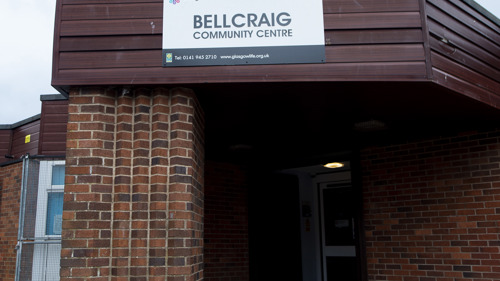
[230, 32]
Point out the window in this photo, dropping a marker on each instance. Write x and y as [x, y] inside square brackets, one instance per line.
[50, 200]
[54, 213]
[48, 226]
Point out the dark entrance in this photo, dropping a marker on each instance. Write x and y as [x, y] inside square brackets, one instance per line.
[274, 228]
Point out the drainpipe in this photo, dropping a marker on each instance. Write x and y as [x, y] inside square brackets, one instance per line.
[22, 209]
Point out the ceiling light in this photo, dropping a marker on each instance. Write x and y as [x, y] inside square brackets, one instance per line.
[370, 126]
[334, 165]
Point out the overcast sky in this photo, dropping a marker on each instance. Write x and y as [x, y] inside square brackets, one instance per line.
[27, 28]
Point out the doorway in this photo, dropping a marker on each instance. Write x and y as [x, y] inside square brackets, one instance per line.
[274, 235]
[304, 226]
[330, 216]
[338, 231]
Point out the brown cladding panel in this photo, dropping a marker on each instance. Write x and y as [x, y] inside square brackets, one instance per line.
[462, 43]
[53, 127]
[380, 36]
[53, 148]
[53, 143]
[149, 42]
[111, 27]
[113, 11]
[375, 53]
[461, 29]
[5, 139]
[154, 26]
[369, 6]
[96, 43]
[19, 146]
[467, 19]
[466, 88]
[125, 59]
[119, 42]
[464, 58]
[54, 119]
[465, 50]
[373, 20]
[55, 107]
[442, 63]
[473, 13]
[396, 71]
[334, 54]
[54, 136]
[329, 6]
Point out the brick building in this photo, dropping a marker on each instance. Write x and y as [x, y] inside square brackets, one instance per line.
[216, 172]
[11, 182]
[29, 195]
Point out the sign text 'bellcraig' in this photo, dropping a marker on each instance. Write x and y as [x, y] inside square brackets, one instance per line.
[217, 32]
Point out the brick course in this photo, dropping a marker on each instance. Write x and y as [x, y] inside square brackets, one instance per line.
[134, 186]
[432, 209]
[10, 192]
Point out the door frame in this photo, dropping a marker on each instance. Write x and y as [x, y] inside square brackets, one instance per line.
[310, 177]
[321, 183]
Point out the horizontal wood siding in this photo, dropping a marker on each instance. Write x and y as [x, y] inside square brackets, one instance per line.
[100, 42]
[379, 36]
[465, 50]
[369, 6]
[116, 11]
[395, 71]
[5, 137]
[334, 54]
[53, 127]
[372, 20]
[97, 43]
[19, 147]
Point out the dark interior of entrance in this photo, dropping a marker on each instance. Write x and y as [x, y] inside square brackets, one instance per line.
[274, 228]
[267, 127]
[283, 124]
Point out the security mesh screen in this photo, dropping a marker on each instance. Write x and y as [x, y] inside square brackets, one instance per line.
[30, 193]
[26, 262]
[41, 220]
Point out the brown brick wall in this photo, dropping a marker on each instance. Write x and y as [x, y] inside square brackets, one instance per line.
[10, 192]
[133, 205]
[226, 222]
[432, 209]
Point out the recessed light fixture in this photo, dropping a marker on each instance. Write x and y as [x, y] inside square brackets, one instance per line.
[370, 126]
[334, 165]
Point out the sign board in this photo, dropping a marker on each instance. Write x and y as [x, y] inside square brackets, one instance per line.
[238, 32]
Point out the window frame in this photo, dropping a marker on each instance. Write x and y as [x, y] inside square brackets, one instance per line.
[44, 188]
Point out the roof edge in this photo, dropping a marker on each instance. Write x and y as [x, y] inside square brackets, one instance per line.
[7, 163]
[53, 97]
[476, 6]
[20, 123]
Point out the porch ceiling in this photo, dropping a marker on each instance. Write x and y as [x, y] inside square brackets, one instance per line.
[313, 118]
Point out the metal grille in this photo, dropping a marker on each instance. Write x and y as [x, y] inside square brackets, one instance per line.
[40, 220]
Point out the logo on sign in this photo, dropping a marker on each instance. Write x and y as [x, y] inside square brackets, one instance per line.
[168, 57]
[174, 1]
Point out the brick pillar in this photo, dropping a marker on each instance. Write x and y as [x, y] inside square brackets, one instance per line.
[133, 206]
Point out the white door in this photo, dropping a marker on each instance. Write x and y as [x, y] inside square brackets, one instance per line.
[338, 231]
